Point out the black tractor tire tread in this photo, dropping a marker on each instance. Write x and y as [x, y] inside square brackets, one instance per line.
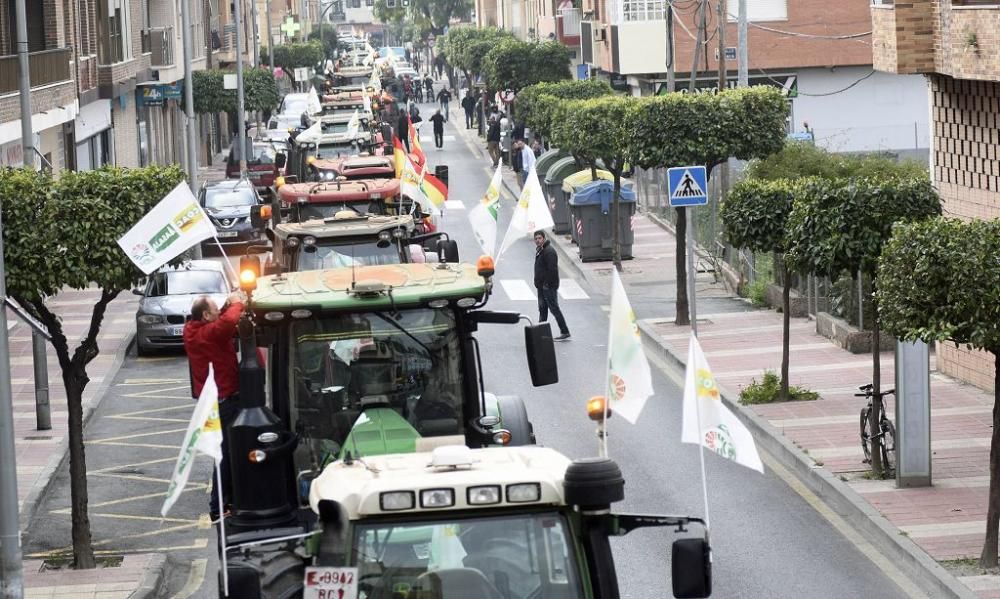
[514, 418]
[281, 573]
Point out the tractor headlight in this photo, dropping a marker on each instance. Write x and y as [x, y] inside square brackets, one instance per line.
[524, 492]
[437, 498]
[394, 501]
[488, 495]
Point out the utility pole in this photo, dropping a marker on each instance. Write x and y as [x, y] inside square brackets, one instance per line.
[191, 141]
[256, 33]
[671, 58]
[699, 41]
[723, 17]
[11, 573]
[241, 123]
[270, 36]
[743, 69]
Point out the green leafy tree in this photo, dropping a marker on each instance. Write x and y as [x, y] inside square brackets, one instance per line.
[839, 226]
[535, 103]
[706, 129]
[600, 128]
[62, 233]
[260, 92]
[938, 281]
[437, 14]
[465, 48]
[800, 159]
[327, 34]
[513, 64]
[754, 216]
[295, 55]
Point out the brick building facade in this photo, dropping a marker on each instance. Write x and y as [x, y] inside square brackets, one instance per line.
[956, 45]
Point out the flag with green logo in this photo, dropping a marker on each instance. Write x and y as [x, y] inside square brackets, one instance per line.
[170, 228]
[204, 435]
[707, 421]
[629, 382]
[354, 125]
[484, 216]
[531, 213]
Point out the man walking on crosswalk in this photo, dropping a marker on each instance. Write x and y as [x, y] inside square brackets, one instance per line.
[547, 283]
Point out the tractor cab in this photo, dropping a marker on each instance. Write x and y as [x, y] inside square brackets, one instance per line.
[355, 167]
[304, 201]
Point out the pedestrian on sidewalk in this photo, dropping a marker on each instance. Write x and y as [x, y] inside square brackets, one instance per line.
[493, 140]
[444, 98]
[208, 339]
[469, 105]
[527, 161]
[438, 121]
[547, 283]
[403, 129]
[429, 87]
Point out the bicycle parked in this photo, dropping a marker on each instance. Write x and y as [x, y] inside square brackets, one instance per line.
[887, 430]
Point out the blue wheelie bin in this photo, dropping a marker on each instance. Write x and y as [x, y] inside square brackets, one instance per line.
[591, 206]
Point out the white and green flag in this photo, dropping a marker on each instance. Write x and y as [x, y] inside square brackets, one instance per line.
[530, 214]
[629, 382]
[707, 421]
[313, 105]
[484, 216]
[169, 229]
[204, 435]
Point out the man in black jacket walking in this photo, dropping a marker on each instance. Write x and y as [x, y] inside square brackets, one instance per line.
[547, 283]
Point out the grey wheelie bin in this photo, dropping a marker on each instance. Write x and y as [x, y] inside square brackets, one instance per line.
[556, 196]
[572, 182]
[544, 163]
[591, 206]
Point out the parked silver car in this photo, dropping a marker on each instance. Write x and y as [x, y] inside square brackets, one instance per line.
[166, 302]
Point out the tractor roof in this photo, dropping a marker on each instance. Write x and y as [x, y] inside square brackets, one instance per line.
[367, 287]
[340, 191]
[346, 223]
[359, 487]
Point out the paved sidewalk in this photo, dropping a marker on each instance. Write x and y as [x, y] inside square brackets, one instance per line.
[945, 522]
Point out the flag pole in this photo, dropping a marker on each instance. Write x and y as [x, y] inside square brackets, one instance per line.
[701, 444]
[229, 265]
[222, 530]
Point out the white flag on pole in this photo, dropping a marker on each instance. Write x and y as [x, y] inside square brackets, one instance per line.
[629, 380]
[313, 105]
[204, 435]
[484, 216]
[707, 421]
[409, 185]
[312, 134]
[354, 125]
[531, 214]
[170, 228]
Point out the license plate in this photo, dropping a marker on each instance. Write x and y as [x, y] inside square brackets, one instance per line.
[175, 331]
[228, 233]
[330, 583]
[254, 175]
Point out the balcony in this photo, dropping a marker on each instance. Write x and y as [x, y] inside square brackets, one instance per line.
[158, 42]
[568, 26]
[45, 67]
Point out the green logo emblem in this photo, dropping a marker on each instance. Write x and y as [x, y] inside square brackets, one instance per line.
[163, 238]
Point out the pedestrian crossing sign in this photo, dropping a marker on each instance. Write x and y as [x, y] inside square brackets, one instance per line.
[688, 186]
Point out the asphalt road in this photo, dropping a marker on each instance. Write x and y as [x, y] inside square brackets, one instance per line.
[770, 538]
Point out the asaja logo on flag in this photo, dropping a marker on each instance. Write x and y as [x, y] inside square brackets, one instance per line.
[164, 237]
[706, 384]
[187, 218]
[720, 441]
[142, 254]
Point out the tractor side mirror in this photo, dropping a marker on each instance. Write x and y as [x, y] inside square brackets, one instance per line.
[447, 250]
[280, 159]
[691, 568]
[541, 352]
[256, 218]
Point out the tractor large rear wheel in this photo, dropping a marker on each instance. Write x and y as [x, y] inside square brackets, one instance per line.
[279, 575]
[514, 417]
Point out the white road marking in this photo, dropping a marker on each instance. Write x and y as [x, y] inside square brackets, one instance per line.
[454, 205]
[518, 290]
[569, 289]
[195, 579]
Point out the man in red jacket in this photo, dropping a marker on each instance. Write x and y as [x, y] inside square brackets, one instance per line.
[208, 339]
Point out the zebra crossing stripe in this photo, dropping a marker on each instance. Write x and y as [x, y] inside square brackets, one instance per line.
[519, 290]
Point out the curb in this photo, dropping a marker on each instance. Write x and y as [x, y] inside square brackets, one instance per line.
[913, 561]
[149, 586]
[32, 500]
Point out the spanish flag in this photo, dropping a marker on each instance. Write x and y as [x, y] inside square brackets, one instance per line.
[399, 156]
[418, 156]
[435, 189]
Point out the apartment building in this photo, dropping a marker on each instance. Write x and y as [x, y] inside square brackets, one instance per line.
[819, 53]
[955, 44]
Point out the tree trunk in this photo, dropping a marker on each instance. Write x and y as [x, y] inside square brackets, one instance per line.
[681, 304]
[786, 323]
[616, 247]
[75, 379]
[988, 559]
[875, 441]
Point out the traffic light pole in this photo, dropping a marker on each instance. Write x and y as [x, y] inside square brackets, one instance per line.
[241, 120]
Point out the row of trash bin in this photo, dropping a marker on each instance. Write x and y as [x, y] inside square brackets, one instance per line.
[582, 206]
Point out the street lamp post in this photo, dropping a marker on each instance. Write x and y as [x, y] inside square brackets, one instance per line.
[322, 22]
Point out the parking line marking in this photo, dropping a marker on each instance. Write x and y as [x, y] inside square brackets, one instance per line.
[136, 464]
[454, 205]
[195, 579]
[139, 435]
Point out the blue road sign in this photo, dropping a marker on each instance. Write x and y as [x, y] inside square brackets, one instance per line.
[688, 186]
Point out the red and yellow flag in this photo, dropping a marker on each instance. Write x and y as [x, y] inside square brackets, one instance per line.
[417, 152]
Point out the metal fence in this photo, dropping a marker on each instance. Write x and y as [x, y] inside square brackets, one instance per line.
[847, 297]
